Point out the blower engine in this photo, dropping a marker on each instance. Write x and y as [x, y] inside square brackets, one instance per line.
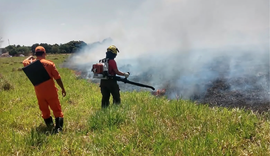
[100, 69]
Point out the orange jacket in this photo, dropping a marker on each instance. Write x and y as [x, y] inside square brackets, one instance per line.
[46, 89]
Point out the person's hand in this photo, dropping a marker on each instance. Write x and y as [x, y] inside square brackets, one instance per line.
[63, 93]
[126, 74]
[30, 58]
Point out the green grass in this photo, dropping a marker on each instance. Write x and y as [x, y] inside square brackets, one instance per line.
[142, 125]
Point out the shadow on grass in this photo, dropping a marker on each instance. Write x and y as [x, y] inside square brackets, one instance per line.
[42, 129]
[37, 137]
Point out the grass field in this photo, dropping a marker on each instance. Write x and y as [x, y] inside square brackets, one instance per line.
[142, 125]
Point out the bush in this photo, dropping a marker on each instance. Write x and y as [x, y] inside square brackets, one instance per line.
[5, 85]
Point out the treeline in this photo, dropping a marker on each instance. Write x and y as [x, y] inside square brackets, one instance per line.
[70, 47]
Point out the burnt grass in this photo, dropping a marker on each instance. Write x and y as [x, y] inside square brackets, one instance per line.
[245, 90]
[248, 88]
[243, 93]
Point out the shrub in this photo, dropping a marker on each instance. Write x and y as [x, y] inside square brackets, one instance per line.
[6, 86]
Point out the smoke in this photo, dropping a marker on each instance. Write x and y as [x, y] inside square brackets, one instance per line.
[184, 45]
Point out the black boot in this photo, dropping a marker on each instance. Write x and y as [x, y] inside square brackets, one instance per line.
[49, 122]
[58, 124]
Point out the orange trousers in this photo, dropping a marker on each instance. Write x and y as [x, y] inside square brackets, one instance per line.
[47, 97]
[53, 103]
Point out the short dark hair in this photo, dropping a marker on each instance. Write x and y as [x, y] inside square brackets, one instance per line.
[39, 53]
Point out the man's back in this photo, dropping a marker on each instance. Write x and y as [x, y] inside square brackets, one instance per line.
[47, 88]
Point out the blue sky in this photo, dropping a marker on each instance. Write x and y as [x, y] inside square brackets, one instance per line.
[146, 25]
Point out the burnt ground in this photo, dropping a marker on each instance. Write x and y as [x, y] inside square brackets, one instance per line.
[248, 89]
[235, 93]
[244, 85]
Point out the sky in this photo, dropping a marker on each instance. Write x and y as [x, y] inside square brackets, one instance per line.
[26, 22]
[141, 23]
[177, 38]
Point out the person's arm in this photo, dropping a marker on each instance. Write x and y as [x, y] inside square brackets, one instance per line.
[121, 73]
[60, 83]
[28, 60]
[116, 71]
[55, 74]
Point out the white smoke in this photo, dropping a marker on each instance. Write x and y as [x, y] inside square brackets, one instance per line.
[185, 43]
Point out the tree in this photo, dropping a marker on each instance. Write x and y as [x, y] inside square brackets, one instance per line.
[23, 50]
[64, 48]
[55, 49]
[70, 47]
[12, 50]
[33, 47]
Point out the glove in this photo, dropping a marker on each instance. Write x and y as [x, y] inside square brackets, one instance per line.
[126, 74]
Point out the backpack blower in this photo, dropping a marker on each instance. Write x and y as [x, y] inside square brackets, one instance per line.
[100, 71]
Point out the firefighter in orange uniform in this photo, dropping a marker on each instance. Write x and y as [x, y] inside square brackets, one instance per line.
[110, 86]
[46, 92]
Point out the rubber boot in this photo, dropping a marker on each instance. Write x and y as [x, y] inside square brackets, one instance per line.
[49, 122]
[58, 124]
